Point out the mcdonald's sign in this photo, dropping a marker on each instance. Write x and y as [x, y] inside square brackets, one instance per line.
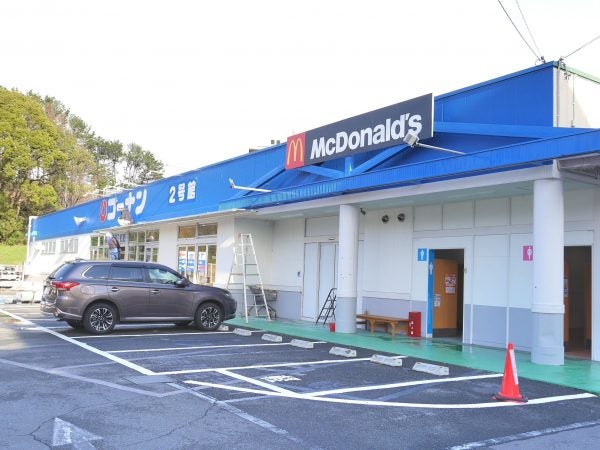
[294, 154]
[375, 130]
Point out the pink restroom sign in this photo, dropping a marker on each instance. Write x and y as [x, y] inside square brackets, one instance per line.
[528, 253]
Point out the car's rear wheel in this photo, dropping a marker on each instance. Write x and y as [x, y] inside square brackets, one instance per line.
[209, 316]
[74, 324]
[100, 318]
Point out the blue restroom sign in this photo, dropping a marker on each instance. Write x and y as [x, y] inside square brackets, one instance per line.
[422, 254]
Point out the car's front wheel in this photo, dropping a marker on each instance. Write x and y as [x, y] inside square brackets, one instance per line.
[209, 316]
[100, 318]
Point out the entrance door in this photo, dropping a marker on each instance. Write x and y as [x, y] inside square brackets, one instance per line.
[447, 298]
[186, 261]
[207, 263]
[578, 301]
[320, 276]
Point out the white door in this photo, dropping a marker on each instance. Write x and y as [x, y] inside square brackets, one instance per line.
[320, 275]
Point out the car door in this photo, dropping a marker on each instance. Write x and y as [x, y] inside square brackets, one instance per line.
[166, 299]
[128, 289]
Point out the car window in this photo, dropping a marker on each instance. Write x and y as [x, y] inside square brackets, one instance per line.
[61, 272]
[97, 271]
[162, 276]
[125, 273]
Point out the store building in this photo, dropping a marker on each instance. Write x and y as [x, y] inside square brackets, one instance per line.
[493, 241]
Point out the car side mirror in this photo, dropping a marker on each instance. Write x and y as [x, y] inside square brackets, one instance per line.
[181, 283]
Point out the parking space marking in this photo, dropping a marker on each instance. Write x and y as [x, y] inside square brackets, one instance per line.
[265, 366]
[201, 347]
[191, 333]
[403, 384]
[61, 373]
[526, 435]
[300, 396]
[104, 354]
[249, 380]
[14, 316]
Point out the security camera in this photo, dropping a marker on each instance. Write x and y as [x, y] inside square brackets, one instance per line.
[231, 183]
[411, 139]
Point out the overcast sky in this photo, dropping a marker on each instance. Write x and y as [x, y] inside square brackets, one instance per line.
[197, 82]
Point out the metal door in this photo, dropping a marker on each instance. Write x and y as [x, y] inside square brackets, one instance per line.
[320, 275]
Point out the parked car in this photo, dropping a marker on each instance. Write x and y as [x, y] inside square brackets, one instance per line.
[96, 295]
[8, 273]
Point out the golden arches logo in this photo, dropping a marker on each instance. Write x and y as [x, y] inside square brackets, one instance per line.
[295, 151]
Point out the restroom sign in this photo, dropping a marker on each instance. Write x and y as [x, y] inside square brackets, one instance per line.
[528, 253]
[422, 254]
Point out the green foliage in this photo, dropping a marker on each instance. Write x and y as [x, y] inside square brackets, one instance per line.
[12, 254]
[11, 226]
[51, 159]
[141, 166]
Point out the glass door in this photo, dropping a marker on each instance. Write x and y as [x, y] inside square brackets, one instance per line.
[207, 263]
[186, 261]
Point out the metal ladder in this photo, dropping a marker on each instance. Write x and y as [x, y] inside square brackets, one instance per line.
[328, 308]
[245, 273]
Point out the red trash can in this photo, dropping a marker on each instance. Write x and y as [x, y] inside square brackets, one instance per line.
[414, 324]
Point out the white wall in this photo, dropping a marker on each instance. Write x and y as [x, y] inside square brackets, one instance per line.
[288, 254]
[322, 226]
[40, 265]
[577, 101]
[167, 245]
[387, 261]
[262, 237]
[225, 243]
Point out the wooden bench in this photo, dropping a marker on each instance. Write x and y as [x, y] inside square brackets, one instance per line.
[372, 320]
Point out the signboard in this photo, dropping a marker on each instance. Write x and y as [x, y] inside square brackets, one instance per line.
[422, 254]
[528, 253]
[374, 130]
[450, 283]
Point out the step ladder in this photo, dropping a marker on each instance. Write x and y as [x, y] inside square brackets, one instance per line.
[245, 275]
[328, 308]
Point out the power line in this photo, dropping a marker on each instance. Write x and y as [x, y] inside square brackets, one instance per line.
[529, 31]
[584, 45]
[524, 40]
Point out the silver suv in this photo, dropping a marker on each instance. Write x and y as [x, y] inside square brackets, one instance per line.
[96, 295]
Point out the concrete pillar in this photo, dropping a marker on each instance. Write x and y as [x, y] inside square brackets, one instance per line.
[548, 272]
[345, 311]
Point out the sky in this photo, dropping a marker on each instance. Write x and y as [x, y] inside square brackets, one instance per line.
[198, 82]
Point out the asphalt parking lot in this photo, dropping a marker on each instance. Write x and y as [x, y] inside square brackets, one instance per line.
[161, 386]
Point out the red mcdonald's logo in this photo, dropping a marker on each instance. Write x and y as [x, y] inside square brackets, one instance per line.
[294, 155]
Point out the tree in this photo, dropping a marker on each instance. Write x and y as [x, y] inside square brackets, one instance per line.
[50, 159]
[29, 157]
[141, 166]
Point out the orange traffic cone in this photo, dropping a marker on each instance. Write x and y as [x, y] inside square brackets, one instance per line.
[509, 391]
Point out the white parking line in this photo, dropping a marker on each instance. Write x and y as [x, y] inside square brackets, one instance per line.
[403, 384]
[113, 358]
[14, 316]
[249, 380]
[394, 404]
[265, 366]
[191, 333]
[196, 347]
[526, 435]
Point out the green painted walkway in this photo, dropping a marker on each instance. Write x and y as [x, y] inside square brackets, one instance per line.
[576, 373]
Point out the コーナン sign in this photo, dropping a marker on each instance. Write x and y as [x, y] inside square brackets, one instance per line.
[374, 130]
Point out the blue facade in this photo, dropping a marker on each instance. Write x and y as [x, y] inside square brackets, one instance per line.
[502, 124]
